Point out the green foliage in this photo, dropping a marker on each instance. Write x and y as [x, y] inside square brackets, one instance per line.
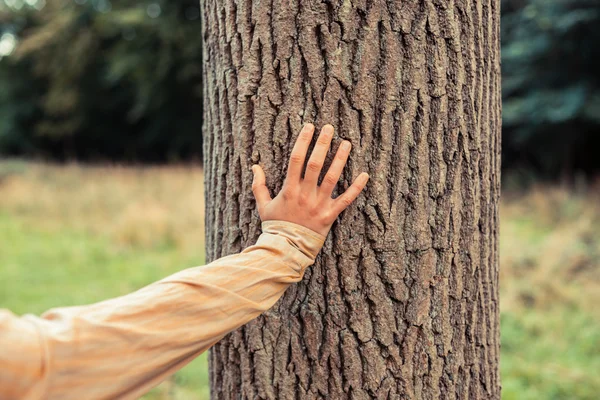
[122, 80]
[17, 110]
[551, 82]
[93, 79]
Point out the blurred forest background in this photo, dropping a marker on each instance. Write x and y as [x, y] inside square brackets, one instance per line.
[99, 82]
[121, 80]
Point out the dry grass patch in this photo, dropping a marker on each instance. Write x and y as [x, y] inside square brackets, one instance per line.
[137, 206]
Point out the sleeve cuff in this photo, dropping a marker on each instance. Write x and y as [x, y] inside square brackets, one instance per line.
[304, 239]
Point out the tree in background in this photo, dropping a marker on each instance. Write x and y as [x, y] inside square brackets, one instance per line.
[402, 303]
[551, 85]
[121, 80]
[95, 79]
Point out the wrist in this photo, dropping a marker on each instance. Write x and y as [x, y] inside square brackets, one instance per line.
[304, 239]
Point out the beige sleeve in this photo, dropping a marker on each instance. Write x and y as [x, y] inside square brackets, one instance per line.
[123, 347]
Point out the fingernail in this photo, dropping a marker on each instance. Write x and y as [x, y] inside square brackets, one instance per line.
[345, 145]
[254, 169]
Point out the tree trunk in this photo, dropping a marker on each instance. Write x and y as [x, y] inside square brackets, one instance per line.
[402, 302]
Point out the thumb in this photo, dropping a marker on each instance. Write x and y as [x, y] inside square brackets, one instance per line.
[259, 187]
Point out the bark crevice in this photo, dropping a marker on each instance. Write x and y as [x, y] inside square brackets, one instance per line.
[402, 302]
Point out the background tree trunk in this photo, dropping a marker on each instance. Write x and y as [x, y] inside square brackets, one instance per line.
[402, 302]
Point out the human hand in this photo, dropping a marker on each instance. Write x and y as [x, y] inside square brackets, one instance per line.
[302, 201]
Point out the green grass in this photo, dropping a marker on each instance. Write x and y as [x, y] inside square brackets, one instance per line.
[550, 355]
[41, 269]
[57, 253]
[549, 295]
[76, 235]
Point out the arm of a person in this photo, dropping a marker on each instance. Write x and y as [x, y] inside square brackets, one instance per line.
[121, 348]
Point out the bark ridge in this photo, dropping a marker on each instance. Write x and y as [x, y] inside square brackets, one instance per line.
[402, 302]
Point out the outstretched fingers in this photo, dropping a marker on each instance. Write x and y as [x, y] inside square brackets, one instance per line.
[335, 169]
[259, 187]
[317, 158]
[299, 153]
[345, 199]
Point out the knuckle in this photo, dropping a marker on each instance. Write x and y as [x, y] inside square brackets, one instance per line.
[305, 137]
[327, 217]
[341, 156]
[289, 192]
[302, 201]
[296, 158]
[286, 193]
[346, 200]
[313, 166]
[330, 180]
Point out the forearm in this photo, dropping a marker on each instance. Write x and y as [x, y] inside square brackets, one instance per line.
[120, 348]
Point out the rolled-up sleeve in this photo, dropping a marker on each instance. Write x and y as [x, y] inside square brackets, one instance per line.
[122, 347]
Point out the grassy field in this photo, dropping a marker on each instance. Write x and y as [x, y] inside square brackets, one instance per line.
[77, 235]
[74, 235]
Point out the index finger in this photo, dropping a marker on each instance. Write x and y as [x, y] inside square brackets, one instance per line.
[299, 153]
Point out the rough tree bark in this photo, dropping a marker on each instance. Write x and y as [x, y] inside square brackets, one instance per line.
[402, 302]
